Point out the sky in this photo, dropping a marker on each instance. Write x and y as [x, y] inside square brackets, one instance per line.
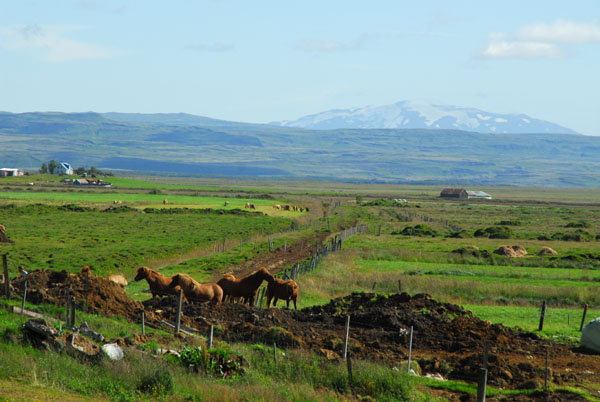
[262, 61]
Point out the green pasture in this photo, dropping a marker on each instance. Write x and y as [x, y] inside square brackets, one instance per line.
[50, 237]
[141, 201]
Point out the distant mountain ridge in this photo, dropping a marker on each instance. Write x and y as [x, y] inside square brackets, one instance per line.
[192, 145]
[420, 114]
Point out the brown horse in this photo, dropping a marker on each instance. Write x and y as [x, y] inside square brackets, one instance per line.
[86, 272]
[284, 290]
[159, 284]
[194, 291]
[245, 287]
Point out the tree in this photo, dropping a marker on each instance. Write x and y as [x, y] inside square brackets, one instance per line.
[44, 168]
[79, 171]
[52, 165]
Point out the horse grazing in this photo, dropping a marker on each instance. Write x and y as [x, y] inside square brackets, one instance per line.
[118, 279]
[284, 290]
[194, 291]
[165, 202]
[159, 284]
[277, 206]
[247, 205]
[245, 287]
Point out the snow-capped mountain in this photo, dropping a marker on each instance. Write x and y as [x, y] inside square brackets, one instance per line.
[420, 114]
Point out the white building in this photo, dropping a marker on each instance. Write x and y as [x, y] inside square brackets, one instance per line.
[64, 168]
[10, 172]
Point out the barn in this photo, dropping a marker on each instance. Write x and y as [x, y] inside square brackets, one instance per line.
[454, 193]
[10, 172]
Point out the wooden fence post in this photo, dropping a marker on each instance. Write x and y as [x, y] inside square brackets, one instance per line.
[585, 308]
[409, 349]
[399, 286]
[224, 240]
[210, 338]
[546, 372]
[349, 364]
[179, 304]
[6, 277]
[542, 314]
[481, 385]
[275, 352]
[143, 323]
[67, 301]
[24, 297]
[346, 336]
[72, 314]
[373, 287]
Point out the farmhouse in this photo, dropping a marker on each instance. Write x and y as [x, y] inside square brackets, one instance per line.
[10, 172]
[454, 193]
[478, 195]
[64, 168]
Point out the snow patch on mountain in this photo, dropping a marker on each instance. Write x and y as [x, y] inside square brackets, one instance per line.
[421, 114]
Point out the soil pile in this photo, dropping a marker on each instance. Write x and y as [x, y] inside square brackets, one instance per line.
[511, 251]
[447, 339]
[92, 294]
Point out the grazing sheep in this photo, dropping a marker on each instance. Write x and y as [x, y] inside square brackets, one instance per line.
[118, 279]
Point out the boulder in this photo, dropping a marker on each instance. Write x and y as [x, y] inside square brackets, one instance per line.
[113, 351]
[590, 336]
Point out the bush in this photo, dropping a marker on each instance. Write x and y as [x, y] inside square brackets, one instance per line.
[419, 230]
[158, 383]
[220, 362]
[495, 232]
[578, 235]
[578, 224]
[509, 223]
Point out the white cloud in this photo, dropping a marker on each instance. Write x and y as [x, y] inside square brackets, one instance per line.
[522, 50]
[50, 42]
[561, 31]
[541, 40]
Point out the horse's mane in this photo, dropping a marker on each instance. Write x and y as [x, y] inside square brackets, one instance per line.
[257, 275]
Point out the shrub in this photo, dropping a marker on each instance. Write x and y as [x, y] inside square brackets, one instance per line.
[495, 232]
[578, 224]
[158, 383]
[419, 230]
[509, 223]
[578, 235]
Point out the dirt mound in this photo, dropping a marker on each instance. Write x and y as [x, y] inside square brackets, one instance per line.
[445, 335]
[91, 294]
[547, 251]
[511, 251]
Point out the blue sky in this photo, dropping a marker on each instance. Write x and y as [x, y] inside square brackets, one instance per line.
[260, 61]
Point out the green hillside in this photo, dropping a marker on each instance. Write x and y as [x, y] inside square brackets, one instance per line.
[191, 145]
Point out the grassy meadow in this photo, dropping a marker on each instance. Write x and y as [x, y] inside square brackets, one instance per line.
[65, 227]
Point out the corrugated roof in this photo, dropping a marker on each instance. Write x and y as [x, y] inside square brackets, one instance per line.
[452, 190]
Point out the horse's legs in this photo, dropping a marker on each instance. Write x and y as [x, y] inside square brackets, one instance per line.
[269, 297]
[295, 306]
[275, 301]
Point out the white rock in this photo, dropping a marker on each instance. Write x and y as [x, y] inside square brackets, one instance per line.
[113, 351]
[590, 336]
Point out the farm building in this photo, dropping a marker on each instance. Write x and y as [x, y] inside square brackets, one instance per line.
[10, 172]
[479, 195]
[64, 168]
[454, 193]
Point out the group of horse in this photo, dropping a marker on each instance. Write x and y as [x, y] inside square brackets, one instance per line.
[227, 288]
[288, 207]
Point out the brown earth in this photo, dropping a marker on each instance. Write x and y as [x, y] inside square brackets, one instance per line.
[447, 339]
